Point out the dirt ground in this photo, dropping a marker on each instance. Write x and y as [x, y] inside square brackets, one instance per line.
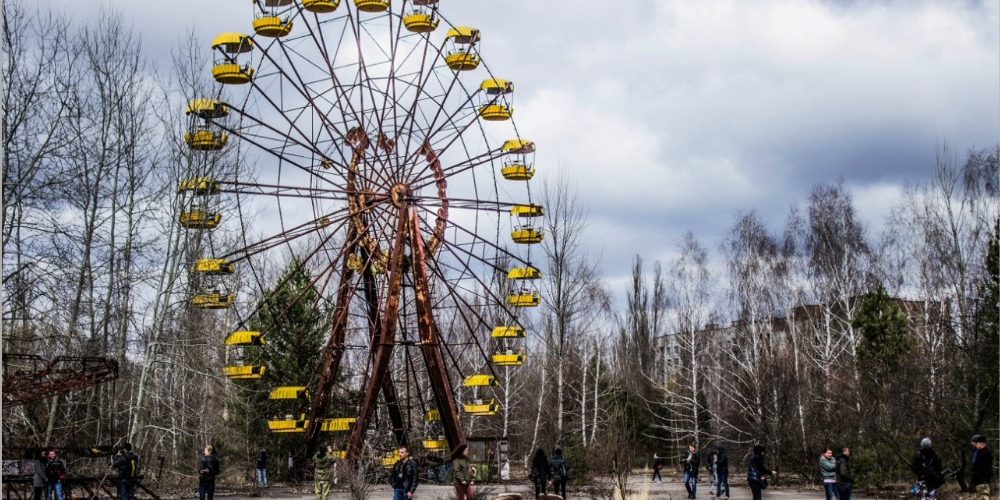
[669, 489]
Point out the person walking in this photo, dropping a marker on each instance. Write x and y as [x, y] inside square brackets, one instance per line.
[691, 463]
[845, 478]
[462, 472]
[926, 465]
[55, 470]
[828, 473]
[540, 472]
[656, 469]
[208, 468]
[559, 468]
[757, 472]
[323, 472]
[127, 464]
[982, 468]
[721, 472]
[262, 468]
[39, 457]
[404, 476]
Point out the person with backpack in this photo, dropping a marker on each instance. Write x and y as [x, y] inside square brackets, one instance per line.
[127, 464]
[208, 469]
[927, 466]
[560, 472]
[721, 472]
[845, 478]
[691, 463]
[262, 468]
[540, 472]
[55, 470]
[757, 472]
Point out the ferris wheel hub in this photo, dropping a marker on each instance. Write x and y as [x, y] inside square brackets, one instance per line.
[399, 193]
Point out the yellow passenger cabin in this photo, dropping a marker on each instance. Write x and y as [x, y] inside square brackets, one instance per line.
[372, 5]
[341, 424]
[507, 332]
[460, 48]
[206, 108]
[203, 139]
[389, 459]
[244, 338]
[518, 164]
[201, 186]
[527, 210]
[199, 219]
[228, 70]
[524, 273]
[289, 392]
[479, 380]
[422, 16]
[432, 415]
[527, 235]
[481, 407]
[288, 424]
[436, 444]
[272, 26]
[320, 6]
[212, 267]
[524, 298]
[244, 371]
[509, 358]
[212, 300]
[497, 102]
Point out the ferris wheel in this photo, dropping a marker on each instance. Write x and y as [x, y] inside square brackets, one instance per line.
[386, 150]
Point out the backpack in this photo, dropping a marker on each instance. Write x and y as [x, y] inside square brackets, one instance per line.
[559, 468]
[133, 464]
[932, 477]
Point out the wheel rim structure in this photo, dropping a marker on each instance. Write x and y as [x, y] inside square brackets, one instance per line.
[386, 149]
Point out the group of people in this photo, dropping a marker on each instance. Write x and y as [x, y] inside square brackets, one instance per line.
[546, 471]
[49, 472]
[716, 463]
[927, 466]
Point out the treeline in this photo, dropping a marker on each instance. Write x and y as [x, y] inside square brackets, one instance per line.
[95, 263]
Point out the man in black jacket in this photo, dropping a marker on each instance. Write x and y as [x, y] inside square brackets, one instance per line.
[691, 463]
[404, 476]
[127, 464]
[845, 478]
[927, 466]
[982, 468]
[208, 468]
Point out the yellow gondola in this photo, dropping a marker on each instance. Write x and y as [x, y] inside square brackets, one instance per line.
[519, 164]
[232, 73]
[436, 444]
[206, 108]
[481, 406]
[337, 424]
[212, 300]
[288, 424]
[244, 338]
[524, 273]
[507, 332]
[479, 380]
[272, 26]
[527, 210]
[460, 43]
[212, 267]
[202, 186]
[527, 235]
[421, 22]
[229, 70]
[320, 6]
[524, 298]
[509, 358]
[432, 415]
[289, 392]
[372, 5]
[244, 371]
[496, 106]
[199, 219]
[206, 140]
[389, 459]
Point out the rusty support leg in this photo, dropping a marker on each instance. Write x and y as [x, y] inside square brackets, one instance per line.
[388, 387]
[332, 355]
[430, 345]
[383, 350]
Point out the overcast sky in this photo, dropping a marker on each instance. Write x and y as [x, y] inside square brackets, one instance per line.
[675, 115]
